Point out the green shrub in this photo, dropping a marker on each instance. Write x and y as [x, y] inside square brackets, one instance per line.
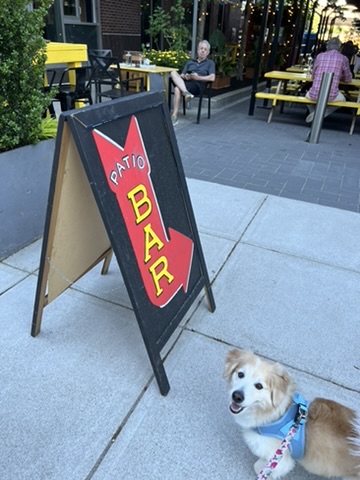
[22, 67]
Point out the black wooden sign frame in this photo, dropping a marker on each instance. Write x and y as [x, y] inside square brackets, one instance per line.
[129, 152]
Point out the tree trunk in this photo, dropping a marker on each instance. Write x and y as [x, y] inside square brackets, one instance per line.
[202, 20]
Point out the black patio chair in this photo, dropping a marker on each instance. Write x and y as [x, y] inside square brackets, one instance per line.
[101, 52]
[205, 91]
[69, 92]
[106, 75]
[49, 79]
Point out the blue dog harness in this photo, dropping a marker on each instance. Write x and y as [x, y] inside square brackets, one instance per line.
[279, 429]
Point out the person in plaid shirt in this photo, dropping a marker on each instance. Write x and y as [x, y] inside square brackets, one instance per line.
[330, 61]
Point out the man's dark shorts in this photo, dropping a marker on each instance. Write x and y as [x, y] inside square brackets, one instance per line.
[194, 87]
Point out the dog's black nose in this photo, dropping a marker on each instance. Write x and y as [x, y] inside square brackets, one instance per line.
[238, 396]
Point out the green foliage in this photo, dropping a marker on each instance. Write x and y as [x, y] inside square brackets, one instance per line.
[250, 58]
[159, 22]
[282, 54]
[48, 128]
[221, 55]
[171, 26]
[22, 67]
[217, 41]
[179, 34]
[170, 58]
[224, 65]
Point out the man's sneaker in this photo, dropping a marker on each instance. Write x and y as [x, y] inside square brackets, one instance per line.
[310, 117]
[188, 96]
[174, 120]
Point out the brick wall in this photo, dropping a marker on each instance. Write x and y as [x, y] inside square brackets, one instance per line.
[120, 25]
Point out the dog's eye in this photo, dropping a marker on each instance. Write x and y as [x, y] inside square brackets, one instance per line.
[241, 374]
[259, 386]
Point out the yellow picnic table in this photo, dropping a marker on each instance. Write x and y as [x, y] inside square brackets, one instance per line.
[71, 54]
[147, 71]
[298, 69]
[303, 76]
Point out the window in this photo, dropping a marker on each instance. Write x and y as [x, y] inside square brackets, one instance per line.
[79, 10]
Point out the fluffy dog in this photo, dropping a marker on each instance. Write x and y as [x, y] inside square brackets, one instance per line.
[261, 392]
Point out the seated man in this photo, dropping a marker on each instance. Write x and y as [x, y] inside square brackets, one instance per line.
[189, 82]
[330, 61]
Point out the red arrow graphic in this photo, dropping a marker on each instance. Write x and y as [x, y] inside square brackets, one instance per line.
[164, 259]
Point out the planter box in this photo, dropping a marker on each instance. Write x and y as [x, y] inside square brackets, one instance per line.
[24, 185]
[221, 82]
[249, 72]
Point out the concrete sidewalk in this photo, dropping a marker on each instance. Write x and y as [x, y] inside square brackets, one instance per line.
[79, 401]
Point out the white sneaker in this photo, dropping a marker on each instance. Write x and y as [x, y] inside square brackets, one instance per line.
[188, 96]
[174, 120]
[310, 117]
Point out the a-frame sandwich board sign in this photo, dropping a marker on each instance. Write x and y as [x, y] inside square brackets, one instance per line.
[118, 185]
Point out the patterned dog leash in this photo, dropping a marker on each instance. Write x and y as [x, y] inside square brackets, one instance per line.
[285, 444]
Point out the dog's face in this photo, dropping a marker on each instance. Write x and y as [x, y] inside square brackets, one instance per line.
[260, 391]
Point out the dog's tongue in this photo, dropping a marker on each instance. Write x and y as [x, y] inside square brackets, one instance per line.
[235, 408]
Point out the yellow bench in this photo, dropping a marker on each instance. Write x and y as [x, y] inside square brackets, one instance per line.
[291, 87]
[281, 97]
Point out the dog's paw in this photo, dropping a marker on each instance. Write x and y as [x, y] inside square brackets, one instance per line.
[259, 465]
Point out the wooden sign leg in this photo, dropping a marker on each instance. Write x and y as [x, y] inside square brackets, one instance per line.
[40, 299]
[107, 260]
[210, 298]
[159, 370]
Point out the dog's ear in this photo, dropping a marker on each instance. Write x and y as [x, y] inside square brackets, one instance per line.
[281, 384]
[232, 362]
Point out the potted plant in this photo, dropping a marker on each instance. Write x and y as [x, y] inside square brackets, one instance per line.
[222, 58]
[250, 60]
[25, 161]
[224, 69]
[249, 63]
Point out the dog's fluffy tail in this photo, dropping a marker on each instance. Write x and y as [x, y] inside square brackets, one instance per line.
[354, 440]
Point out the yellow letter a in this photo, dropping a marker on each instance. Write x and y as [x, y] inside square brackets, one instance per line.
[151, 239]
